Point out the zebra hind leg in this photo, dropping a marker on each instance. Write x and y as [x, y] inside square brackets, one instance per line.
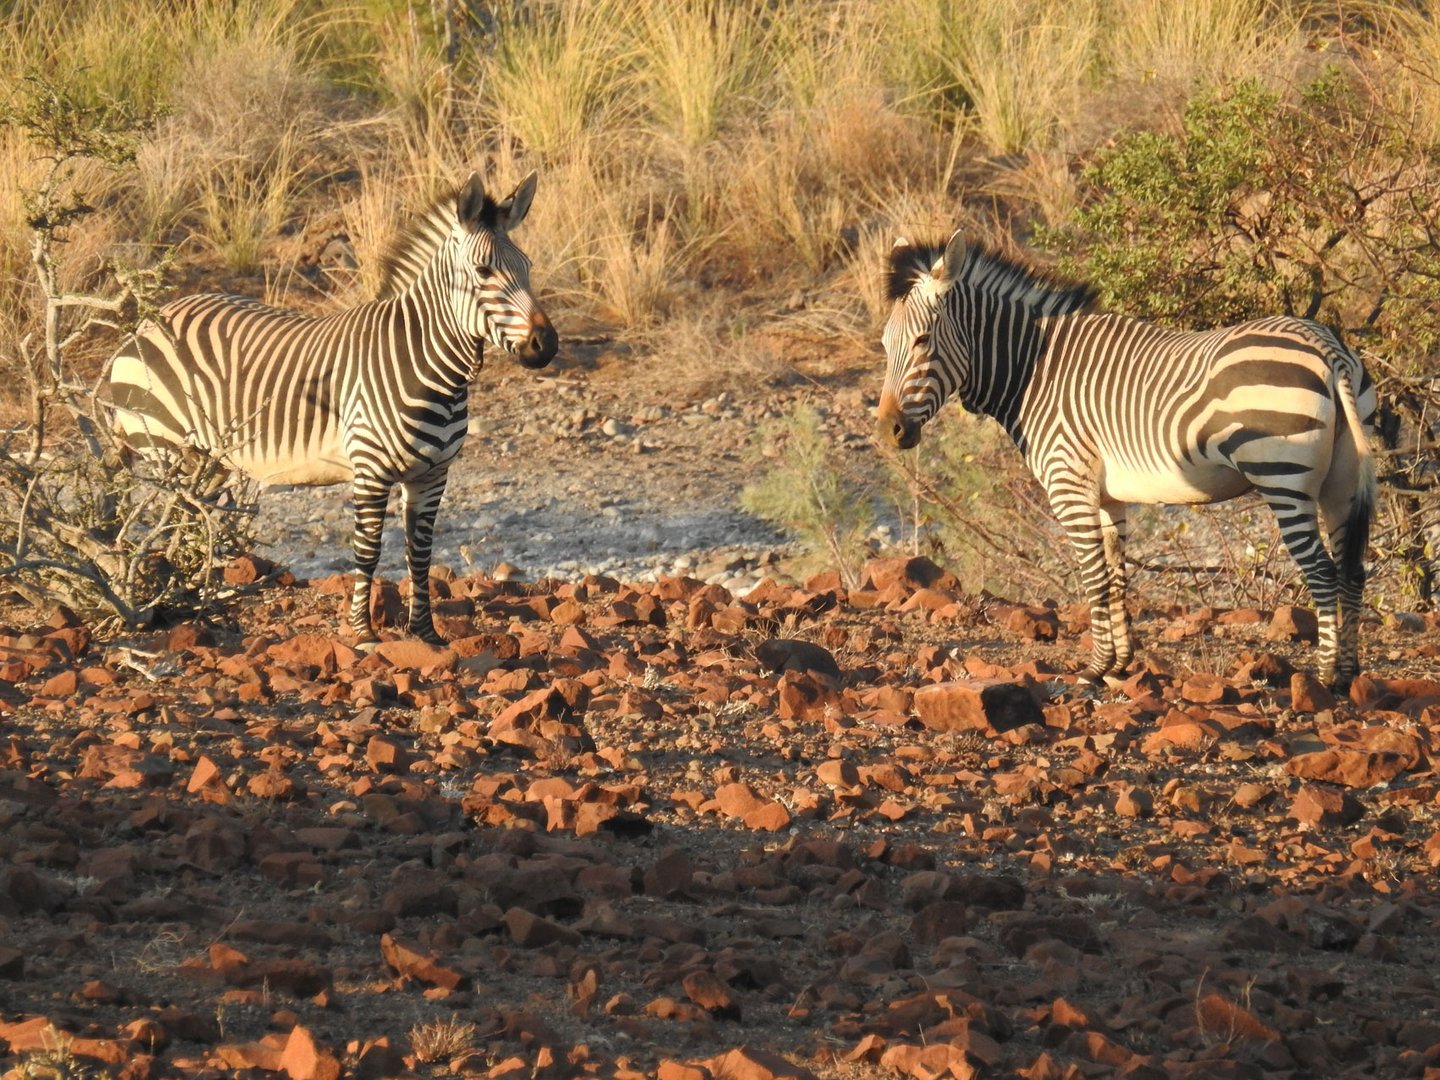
[1299, 524]
[1348, 517]
[421, 502]
[369, 497]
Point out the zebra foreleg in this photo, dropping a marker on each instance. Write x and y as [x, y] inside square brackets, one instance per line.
[369, 496]
[1082, 523]
[421, 501]
[1113, 523]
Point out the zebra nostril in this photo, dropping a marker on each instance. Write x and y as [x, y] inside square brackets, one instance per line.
[540, 346]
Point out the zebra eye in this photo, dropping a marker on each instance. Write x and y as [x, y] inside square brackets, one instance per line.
[923, 342]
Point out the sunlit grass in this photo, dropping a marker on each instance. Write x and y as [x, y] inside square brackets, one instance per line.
[1184, 44]
[558, 73]
[700, 62]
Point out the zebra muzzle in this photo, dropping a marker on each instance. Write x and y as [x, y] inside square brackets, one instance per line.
[893, 428]
[539, 348]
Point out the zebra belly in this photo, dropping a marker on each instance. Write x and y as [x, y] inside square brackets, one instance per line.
[306, 471]
[1181, 483]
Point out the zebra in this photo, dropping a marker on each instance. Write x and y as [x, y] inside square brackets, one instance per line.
[375, 395]
[1109, 410]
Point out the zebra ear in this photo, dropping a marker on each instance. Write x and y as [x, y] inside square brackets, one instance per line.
[953, 261]
[470, 202]
[517, 204]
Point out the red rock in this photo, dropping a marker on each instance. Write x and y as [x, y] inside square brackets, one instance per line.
[1290, 623]
[806, 696]
[530, 931]
[384, 754]
[838, 773]
[712, 994]
[265, 1054]
[914, 572]
[737, 800]
[1352, 768]
[247, 569]
[988, 705]
[747, 1063]
[670, 1069]
[412, 654]
[1308, 694]
[1324, 807]
[205, 773]
[1249, 795]
[302, 1059]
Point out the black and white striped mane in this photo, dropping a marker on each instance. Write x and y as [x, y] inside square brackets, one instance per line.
[989, 272]
[412, 248]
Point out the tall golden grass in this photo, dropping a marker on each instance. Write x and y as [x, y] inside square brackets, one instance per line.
[688, 149]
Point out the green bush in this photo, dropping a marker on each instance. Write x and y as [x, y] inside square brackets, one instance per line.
[806, 488]
[1318, 205]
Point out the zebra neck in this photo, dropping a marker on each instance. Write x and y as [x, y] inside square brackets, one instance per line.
[1007, 342]
[444, 354]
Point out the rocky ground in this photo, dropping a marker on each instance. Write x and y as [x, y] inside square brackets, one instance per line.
[692, 817]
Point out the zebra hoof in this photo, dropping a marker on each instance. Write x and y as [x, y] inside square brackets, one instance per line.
[367, 645]
[1339, 684]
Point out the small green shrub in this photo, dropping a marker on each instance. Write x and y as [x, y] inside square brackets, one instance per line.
[806, 487]
[969, 502]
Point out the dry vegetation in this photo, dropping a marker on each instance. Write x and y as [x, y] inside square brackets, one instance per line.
[710, 168]
[720, 181]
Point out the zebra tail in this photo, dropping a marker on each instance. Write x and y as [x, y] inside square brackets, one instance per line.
[1362, 508]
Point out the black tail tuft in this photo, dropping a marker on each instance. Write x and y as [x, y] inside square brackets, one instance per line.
[1357, 533]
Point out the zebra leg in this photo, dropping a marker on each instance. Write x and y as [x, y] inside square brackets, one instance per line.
[1113, 522]
[1347, 515]
[1297, 516]
[1081, 520]
[369, 496]
[420, 501]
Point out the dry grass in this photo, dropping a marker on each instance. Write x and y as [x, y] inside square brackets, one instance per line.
[691, 151]
[556, 74]
[1185, 44]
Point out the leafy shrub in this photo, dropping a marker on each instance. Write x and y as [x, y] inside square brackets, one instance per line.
[1318, 206]
[805, 487]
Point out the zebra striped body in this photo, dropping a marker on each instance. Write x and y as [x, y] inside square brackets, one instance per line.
[375, 395]
[1109, 410]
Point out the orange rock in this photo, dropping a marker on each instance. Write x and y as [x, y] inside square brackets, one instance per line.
[302, 1059]
[1324, 807]
[987, 705]
[747, 1063]
[1221, 1019]
[1352, 768]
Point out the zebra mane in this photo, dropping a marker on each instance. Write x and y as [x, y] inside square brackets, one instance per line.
[413, 248]
[990, 272]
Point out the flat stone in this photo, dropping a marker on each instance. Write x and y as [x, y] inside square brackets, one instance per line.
[986, 705]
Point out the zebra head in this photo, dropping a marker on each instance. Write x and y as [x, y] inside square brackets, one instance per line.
[926, 359]
[491, 284]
